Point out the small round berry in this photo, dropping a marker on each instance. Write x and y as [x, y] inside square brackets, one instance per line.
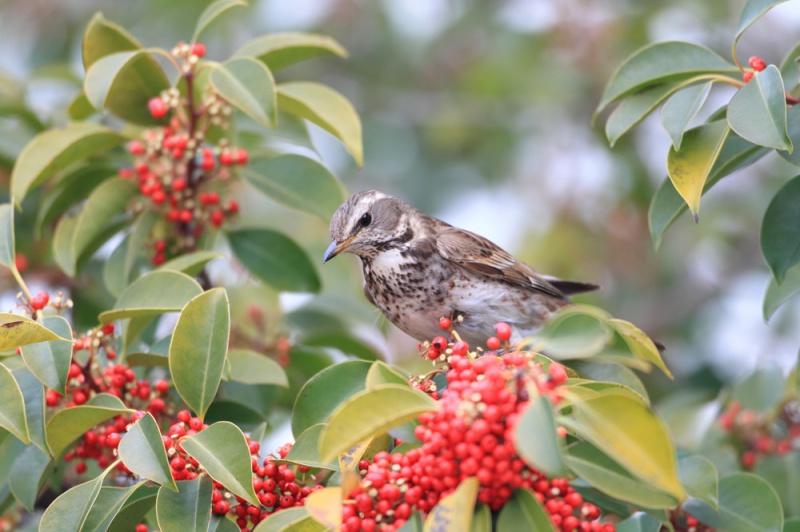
[186, 215]
[52, 397]
[136, 147]
[233, 207]
[503, 331]
[184, 416]
[113, 439]
[217, 217]
[222, 507]
[493, 343]
[747, 76]
[40, 300]
[79, 397]
[460, 348]
[21, 262]
[757, 64]
[557, 373]
[241, 156]
[439, 343]
[141, 527]
[445, 323]
[198, 49]
[80, 468]
[108, 328]
[157, 107]
[159, 197]
[162, 386]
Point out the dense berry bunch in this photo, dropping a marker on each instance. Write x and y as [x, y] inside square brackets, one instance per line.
[757, 435]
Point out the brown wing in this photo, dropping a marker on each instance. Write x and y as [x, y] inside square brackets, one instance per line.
[480, 255]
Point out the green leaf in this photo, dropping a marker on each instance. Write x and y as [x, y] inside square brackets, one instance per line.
[616, 373]
[325, 391]
[757, 112]
[481, 519]
[681, 108]
[577, 331]
[640, 344]
[752, 11]
[690, 415]
[690, 168]
[454, 511]
[780, 230]
[212, 12]
[220, 523]
[249, 86]
[382, 373]
[792, 525]
[139, 503]
[222, 450]
[66, 426]
[50, 361]
[7, 235]
[102, 38]
[198, 348]
[778, 294]
[187, 508]
[71, 509]
[250, 367]
[369, 413]
[55, 149]
[524, 512]
[667, 204]
[12, 412]
[781, 472]
[700, 479]
[279, 50]
[20, 331]
[275, 259]
[305, 450]
[326, 108]
[104, 203]
[290, 520]
[298, 182]
[747, 503]
[608, 476]
[790, 72]
[154, 293]
[33, 394]
[142, 451]
[633, 109]
[28, 474]
[536, 439]
[639, 522]
[661, 63]
[762, 390]
[106, 506]
[80, 108]
[191, 263]
[122, 264]
[631, 435]
[793, 130]
[123, 83]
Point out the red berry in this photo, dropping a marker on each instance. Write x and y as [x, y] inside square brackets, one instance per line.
[52, 397]
[178, 463]
[439, 343]
[179, 184]
[156, 405]
[162, 386]
[196, 424]
[21, 262]
[74, 371]
[460, 348]
[79, 397]
[40, 300]
[198, 49]
[217, 217]
[157, 107]
[141, 527]
[757, 64]
[113, 439]
[503, 331]
[226, 158]
[80, 468]
[445, 323]
[493, 343]
[254, 446]
[111, 355]
[233, 207]
[158, 197]
[108, 328]
[747, 76]
[241, 156]
[433, 353]
[557, 373]
[184, 416]
[222, 507]
[186, 215]
[136, 147]
[158, 259]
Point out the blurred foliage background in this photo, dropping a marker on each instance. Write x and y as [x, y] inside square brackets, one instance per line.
[478, 112]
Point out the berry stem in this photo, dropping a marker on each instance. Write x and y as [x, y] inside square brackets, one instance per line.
[20, 281]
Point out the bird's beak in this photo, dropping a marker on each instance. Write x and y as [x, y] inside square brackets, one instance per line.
[335, 248]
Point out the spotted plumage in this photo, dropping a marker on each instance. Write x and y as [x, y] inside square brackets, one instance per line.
[418, 269]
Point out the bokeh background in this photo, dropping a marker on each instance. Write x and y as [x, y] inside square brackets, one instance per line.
[479, 112]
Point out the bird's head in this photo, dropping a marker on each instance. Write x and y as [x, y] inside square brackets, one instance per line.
[368, 223]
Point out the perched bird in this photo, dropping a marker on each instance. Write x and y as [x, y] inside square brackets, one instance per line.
[418, 269]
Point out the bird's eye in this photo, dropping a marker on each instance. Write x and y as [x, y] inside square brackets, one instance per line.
[365, 220]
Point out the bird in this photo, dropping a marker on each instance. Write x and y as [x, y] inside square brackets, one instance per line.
[418, 269]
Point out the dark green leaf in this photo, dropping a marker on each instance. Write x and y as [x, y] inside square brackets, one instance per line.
[69, 424]
[639, 522]
[279, 50]
[7, 235]
[50, 361]
[780, 231]
[154, 293]
[133, 511]
[524, 512]
[142, 451]
[297, 182]
[747, 503]
[254, 368]
[249, 86]
[33, 393]
[634, 109]
[536, 439]
[700, 478]
[28, 474]
[102, 38]
[681, 108]
[275, 259]
[71, 509]
[757, 112]
[212, 12]
[481, 519]
[188, 508]
[778, 294]
[12, 409]
[793, 130]
[106, 506]
[781, 471]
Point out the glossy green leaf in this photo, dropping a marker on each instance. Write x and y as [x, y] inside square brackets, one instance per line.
[762, 390]
[133, 511]
[747, 503]
[191, 263]
[55, 149]
[66, 426]
[793, 130]
[12, 413]
[792, 525]
[700, 479]
[121, 266]
[279, 50]
[297, 182]
[290, 520]
[33, 394]
[222, 524]
[275, 259]
[781, 471]
[536, 439]
[577, 331]
[780, 230]
[661, 63]
[369, 413]
[326, 108]
[222, 450]
[198, 348]
[481, 519]
[615, 373]
[752, 11]
[250, 367]
[630, 434]
[123, 83]
[778, 294]
[681, 108]
[325, 391]
[80, 108]
[667, 204]
[757, 112]
[690, 168]
[103, 38]
[188, 508]
[790, 71]
[608, 476]
[640, 344]
[50, 361]
[7, 235]
[690, 414]
[71, 509]
[524, 512]
[249, 86]
[107, 505]
[28, 474]
[382, 373]
[454, 511]
[142, 451]
[212, 12]
[305, 450]
[639, 522]
[634, 109]
[20, 331]
[154, 293]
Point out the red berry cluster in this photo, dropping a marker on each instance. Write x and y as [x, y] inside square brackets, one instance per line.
[758, 436]
[471, 434]
[177, 171]
[757, 64]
